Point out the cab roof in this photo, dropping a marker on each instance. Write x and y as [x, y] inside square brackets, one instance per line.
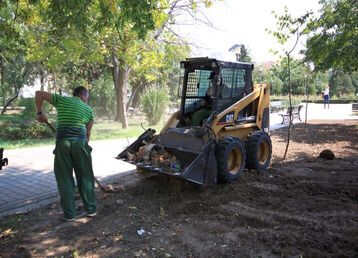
[206, 63]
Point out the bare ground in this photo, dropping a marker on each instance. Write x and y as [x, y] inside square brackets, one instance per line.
[303, 207]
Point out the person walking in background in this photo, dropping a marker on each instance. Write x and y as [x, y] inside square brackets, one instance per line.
[74, 124]
[326, 97]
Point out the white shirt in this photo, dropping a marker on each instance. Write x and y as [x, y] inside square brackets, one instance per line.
[326, 91]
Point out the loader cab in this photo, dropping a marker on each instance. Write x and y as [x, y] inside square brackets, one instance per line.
[211, 85]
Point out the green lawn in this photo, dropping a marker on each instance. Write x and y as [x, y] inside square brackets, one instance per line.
[102, 129]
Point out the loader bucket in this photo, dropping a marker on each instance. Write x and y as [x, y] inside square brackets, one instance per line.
[180, 152]
[143, 139]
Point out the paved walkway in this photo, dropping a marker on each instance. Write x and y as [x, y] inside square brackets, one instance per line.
[28, 182]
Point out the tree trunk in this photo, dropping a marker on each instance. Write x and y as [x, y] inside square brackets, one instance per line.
[290, 106]
[10, 101]
[42, 79]
[137, 91]
[2, 73]
[120, 79]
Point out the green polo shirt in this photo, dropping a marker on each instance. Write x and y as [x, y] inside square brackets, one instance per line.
[72, 117]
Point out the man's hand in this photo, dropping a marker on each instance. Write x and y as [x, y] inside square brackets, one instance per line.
[89, 128]
[42, 118]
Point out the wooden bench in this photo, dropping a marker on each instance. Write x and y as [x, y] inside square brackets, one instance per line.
[295, 114]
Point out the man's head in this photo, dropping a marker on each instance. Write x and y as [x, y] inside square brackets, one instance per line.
[82, 93]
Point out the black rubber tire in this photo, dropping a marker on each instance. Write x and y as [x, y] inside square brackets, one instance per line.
[231, 159]
[259, 151]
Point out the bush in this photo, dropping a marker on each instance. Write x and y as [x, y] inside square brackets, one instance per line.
[30, 108]
[102, 99]
[19, 130]
[154, 103]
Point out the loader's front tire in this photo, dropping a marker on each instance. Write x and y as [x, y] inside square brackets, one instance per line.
[259, 151]
[231, 158]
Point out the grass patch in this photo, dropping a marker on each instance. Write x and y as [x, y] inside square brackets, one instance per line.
[102, 130]
[113, 130]
[16, 144]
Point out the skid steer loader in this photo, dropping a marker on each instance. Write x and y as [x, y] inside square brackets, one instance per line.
[221, 128]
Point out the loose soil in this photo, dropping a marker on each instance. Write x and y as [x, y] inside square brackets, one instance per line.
[302, 207]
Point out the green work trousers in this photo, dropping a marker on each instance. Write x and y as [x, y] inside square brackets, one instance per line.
[69, 155]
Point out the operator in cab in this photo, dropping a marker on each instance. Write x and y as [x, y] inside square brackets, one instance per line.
[205, 109]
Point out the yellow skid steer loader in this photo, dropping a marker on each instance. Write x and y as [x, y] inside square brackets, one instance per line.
[221, 128]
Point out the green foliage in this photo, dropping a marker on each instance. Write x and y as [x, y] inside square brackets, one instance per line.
[20, 129]
[342, 83]
[244, 54]
[102, 97]
[30, 108]
[154, 103]
[332, 34]
[29, 112]
[333, 38]
[102, 130]
[158, 64]
[289, 30]
[241, 53]
[71, 43]
[301, 79]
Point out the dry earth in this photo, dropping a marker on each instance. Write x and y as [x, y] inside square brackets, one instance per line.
[303, 207]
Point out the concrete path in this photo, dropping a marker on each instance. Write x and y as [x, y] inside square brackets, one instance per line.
[28, 182]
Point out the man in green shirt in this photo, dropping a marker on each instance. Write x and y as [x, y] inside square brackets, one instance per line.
[72, 152]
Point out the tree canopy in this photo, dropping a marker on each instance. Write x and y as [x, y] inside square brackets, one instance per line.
[333, 36]
[87, 42]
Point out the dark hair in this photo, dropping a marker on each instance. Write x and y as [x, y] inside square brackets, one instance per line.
[79, 91]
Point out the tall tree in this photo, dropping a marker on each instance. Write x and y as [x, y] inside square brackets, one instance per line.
[85, 33]
[288, 32]
[119, 29]
[333, 36]
[241, 53]
[341, 83]
[15, 70]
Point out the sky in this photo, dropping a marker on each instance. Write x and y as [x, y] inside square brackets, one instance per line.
[242, 22]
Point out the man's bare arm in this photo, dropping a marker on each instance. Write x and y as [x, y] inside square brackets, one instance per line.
[89, 128]
[40, 97]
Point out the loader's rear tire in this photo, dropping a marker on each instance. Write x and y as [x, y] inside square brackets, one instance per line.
[231, 159]
[259, 151]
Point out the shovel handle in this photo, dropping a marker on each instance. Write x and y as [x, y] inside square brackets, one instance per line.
[51, 127]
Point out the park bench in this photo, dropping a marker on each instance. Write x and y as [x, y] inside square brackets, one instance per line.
[295, 114]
